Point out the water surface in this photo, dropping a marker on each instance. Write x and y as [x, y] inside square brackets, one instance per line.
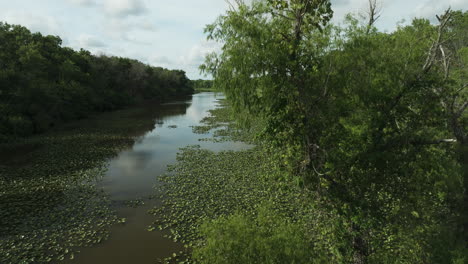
[132, 175]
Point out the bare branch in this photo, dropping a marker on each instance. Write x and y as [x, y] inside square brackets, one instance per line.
[446, 61]
[431, 56]
[433, 142]
[462, 88]
[373, 13]
[285, 37]
[461, 110]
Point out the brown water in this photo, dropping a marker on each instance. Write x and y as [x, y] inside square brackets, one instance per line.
[132, 175]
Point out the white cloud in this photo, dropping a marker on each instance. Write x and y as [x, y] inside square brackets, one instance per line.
[342, 7]
[146, 25]
[430, 8]
[89, 41]
[139, 31]
[196, 55]
[47, 25]
[339, 2]
[189, 60]
[161, 61]
[124, 8]
[83, 2]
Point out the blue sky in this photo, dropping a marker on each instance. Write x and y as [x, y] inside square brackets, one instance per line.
[168, 33]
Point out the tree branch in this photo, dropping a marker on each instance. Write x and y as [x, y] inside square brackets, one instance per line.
[281, 15]
[461, 110]
[446, 61]
[374, 14]
[444, 19]
[433, 142]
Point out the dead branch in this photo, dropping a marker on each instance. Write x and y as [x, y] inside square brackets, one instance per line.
[434, 142]
[431, 56]
[445, 61]
[373, 13]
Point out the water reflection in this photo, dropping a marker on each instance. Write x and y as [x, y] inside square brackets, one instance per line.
[133, 174]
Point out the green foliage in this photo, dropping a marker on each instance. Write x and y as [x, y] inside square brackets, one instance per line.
[283, 41]
[43, 84]
[205, 186]
[267, 237]
[369, 121]
[203, 85]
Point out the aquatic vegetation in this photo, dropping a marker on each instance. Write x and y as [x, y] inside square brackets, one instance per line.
[201, 129]
[220, 122]
[135, 203]
[203, 186]
[44, 220]
[49, 203]
[219, 117]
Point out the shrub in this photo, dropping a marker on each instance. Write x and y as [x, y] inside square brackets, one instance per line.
[266, 238]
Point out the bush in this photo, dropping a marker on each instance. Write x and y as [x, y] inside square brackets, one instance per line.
[265, 238]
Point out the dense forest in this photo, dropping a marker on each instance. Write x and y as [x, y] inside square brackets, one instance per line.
[371, 125]
[202, 85]
[43, 84]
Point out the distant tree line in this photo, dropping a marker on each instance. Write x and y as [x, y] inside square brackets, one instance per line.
[43, 84]
[202, 85]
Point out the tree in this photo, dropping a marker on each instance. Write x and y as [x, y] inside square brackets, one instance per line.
[363, 119]
[275, 79]
[449, 55]
[43, 84]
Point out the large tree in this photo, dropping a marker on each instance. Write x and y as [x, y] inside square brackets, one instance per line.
[269, 64]
[371, 122]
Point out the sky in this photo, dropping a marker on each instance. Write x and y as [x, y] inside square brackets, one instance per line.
[170, 33]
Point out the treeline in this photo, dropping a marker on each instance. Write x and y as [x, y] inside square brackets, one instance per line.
[202, 85]
[43, 84]
[372, 125]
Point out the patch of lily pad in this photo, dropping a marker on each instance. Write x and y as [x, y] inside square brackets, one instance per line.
[204, 185]
[220, 117]
[135, 203]
[220, 122]
[50, 205]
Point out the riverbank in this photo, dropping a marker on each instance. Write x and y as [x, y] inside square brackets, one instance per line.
[80, 193]
[209, 199]
[208, 89]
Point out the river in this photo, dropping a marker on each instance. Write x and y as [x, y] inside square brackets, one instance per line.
[133, 173]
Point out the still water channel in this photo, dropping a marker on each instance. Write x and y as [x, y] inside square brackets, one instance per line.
[133, 174]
